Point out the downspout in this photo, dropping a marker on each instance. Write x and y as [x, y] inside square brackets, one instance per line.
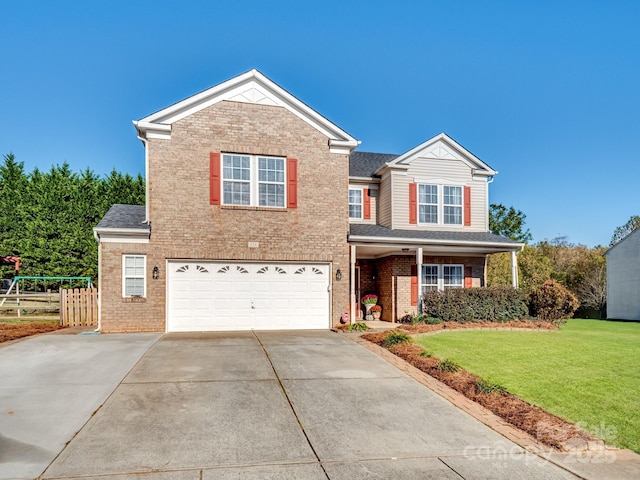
[146, 176]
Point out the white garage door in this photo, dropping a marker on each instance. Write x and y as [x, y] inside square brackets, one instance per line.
[211, 296]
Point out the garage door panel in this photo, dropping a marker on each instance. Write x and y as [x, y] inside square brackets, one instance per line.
[241, 296]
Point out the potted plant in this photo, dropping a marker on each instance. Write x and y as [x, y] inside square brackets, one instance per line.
[376, 311]
[369, 301]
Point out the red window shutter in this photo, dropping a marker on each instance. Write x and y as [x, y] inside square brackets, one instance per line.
[214, 178]
[413, 203]
[292, 183]
[414, 290]
[414, 285]
[366, 204]
[468, 277]
[467, 206]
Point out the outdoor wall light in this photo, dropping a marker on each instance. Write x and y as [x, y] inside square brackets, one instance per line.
[405, 250]
[338, 274]
[156, 273]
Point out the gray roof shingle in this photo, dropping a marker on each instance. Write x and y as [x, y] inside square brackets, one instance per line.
[124, 216]
[364, 164]
[366, 230]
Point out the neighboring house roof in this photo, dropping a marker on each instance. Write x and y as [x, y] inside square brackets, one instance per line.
[445, 147]
[365, 164]
[634, 232]
[249, 87]
[377, 233]
[123, 222]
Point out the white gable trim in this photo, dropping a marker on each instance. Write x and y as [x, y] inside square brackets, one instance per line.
[250, 87]
[479, 167]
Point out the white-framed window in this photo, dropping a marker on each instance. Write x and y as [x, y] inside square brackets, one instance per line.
[254, 180]
[440, 204]
[355, 203]
[133, 275]
[452, 276]
[442, 277]
[429, 278]
[428, 203]
[452, 203]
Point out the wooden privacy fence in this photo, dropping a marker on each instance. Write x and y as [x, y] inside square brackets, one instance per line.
[79, 307]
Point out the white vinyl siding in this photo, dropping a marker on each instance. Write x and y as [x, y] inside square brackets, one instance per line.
[133, 276]
[253, 180]
[426, 171]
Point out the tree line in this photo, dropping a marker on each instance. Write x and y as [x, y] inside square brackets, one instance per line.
[580, 269]
[47, 217]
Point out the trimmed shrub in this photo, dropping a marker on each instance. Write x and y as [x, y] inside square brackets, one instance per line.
[499, 304]
[552, 302]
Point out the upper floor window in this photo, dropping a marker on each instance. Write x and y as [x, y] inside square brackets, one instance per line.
[355, 203]
[428, 204]
[452, 205]
[440, 204]
[253, 180]
[133, 275]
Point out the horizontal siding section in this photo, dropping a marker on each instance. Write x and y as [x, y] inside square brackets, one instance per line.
[384, 201]
[453, 172]
[623, 279]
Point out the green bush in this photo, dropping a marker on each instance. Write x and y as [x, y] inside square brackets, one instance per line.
[358, 327]
[447, 365]
[552, 302]
[396, 338]
[499, 304]
[485, 386]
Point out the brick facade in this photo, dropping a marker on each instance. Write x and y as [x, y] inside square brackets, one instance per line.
[185, 226]
[393, 280]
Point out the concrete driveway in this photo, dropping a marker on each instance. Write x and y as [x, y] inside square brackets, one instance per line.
[50, 385]
[282, 405]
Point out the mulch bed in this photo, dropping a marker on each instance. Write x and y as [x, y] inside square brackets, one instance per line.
[423, 328]
[542, 425]
[14, 331]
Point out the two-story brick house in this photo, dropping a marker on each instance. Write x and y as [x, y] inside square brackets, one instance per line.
[260, 215]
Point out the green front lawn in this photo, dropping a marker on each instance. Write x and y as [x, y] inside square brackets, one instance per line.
[587, 373]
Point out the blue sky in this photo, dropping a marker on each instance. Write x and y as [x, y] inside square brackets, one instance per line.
[546, 92]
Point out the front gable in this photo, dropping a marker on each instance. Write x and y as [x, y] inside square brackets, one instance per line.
[442, 148]
[251, 87]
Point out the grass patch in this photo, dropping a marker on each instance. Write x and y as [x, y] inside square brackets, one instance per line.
[587, 372]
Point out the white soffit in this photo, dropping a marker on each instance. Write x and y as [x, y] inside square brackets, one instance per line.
[250, 87]
[442, 147]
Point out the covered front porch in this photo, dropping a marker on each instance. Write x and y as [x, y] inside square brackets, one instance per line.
[399, 265]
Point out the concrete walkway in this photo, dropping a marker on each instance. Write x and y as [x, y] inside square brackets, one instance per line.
[283, 405]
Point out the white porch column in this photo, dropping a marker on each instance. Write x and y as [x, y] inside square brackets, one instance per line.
[514, 270]
[419, 274]
[353, 303]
